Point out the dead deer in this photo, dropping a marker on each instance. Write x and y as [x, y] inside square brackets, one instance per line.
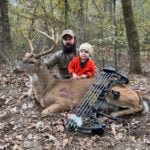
[61, 95]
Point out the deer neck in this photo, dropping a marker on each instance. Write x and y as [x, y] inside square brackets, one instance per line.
[41, 81]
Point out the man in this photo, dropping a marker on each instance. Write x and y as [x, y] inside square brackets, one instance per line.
[62, 57]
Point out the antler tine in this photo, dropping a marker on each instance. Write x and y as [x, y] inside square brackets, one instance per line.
[29, 41]
[57, 37]
[52, 39]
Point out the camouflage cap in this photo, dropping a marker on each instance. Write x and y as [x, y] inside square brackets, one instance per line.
[68, 32]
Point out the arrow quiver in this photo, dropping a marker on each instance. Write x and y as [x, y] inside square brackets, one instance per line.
[84, 117]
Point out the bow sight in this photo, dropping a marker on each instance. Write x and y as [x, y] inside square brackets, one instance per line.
[84, 117]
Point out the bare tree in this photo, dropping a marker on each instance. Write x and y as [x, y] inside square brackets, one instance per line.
[132, 36]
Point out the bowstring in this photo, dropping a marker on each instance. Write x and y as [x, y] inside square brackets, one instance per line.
[84, 99]
[99, 86]
[87, 109]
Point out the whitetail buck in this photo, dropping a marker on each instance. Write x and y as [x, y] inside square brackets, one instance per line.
[61, 95]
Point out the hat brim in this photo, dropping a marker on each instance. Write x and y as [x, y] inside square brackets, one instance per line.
[67, 34]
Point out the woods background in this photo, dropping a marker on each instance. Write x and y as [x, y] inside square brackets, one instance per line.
[119, 30]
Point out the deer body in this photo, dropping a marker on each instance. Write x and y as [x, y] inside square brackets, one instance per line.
[61, 95]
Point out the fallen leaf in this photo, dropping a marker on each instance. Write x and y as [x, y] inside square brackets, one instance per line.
[113, 129]
[48, 146]
[4, 79]
[119, 136]
[15, 147]
[23, 96]
[132, 138]
[30, 126]
[60, 128]
[65, 142]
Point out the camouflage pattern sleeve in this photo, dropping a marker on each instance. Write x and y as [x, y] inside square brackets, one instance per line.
[53, 59]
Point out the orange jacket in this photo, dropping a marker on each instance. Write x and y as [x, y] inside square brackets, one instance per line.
[74, 66]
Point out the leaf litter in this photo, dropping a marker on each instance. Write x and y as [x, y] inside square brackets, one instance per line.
[23, 127]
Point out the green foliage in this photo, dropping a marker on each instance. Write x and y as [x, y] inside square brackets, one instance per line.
[96, 23]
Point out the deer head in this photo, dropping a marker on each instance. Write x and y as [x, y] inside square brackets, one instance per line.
[31, 61]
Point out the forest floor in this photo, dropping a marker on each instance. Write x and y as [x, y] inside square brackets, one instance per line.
[22, 127]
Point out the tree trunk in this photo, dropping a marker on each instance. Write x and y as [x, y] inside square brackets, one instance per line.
[5, 38]
[66, 13]
[5, 23]
[132, 36]
[81, 20]
[115, 34]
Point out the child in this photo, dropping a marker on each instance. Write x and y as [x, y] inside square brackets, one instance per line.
[82, 66]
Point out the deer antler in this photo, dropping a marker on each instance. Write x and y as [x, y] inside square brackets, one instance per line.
[43, 53]
[26, 36]
[52, 39]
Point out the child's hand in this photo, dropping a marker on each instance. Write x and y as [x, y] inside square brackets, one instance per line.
[83, 76]
[75, 76]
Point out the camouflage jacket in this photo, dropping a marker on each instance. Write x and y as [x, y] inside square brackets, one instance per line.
[61, 60]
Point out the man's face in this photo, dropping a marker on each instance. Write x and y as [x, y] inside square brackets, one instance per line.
[68, 40]
[68, 43]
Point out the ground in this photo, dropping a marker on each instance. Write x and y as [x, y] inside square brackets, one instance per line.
[22, 127]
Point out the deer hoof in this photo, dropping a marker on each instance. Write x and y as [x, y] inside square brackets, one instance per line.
[44, 112]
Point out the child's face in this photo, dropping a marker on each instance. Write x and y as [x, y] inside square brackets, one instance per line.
[84, 54]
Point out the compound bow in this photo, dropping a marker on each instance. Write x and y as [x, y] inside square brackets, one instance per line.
[84, 117]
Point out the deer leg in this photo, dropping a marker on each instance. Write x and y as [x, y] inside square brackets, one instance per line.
[54, 108]
[126, 112]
